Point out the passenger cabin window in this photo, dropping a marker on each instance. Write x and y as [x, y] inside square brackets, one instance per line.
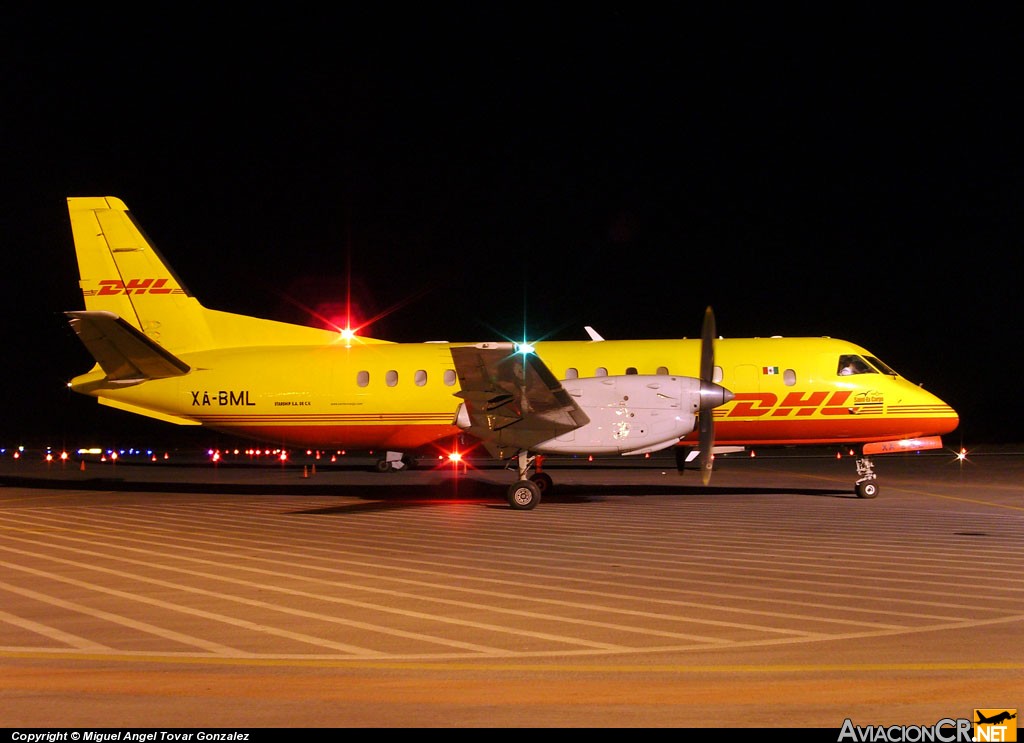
[851, 364]
[789, 377]
[420, 377]
[449, 377]
[600, 372]
[391, 378]
[572, 373]
[662, 370]
[630, 370]
[363, 378]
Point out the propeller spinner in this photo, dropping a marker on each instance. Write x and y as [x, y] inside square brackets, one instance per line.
[711, 395]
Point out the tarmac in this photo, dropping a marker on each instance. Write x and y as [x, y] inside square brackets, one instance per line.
[177, 593]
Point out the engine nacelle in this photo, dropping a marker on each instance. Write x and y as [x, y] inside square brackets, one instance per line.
[633, 414]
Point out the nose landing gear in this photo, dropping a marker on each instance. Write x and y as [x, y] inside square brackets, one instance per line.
[867, 484]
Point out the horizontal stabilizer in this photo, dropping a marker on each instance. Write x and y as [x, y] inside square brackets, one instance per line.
[123, 352]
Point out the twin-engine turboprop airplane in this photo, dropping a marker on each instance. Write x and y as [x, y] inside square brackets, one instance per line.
[160, 353]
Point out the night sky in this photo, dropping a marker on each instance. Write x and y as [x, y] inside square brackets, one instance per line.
[471, 174]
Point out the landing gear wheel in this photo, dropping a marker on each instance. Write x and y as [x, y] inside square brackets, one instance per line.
[867, 489]
[543, 481]
[524, 495]
[384, 465]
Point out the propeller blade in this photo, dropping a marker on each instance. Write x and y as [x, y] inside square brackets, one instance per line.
[707, 348]
[707, 444]
[706, 420]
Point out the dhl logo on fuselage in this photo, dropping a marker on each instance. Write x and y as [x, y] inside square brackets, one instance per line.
[112, 287]
[759, 404]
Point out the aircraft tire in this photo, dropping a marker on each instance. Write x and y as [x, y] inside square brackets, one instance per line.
[384, 465]
[543, 481]
[524, 495]
[867, 490]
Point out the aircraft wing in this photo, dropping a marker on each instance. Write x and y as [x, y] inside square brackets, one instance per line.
[125, 354]
[512, 400]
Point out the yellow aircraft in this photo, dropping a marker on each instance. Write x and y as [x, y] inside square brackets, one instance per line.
[161, 354]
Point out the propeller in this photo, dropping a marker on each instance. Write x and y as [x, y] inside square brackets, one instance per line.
[711, 395]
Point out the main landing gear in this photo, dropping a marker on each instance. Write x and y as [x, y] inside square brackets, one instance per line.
[526, 493]
[867, 485]
[393, 461]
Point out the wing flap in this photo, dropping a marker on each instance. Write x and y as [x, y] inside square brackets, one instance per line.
[123, 352]
[512, 399]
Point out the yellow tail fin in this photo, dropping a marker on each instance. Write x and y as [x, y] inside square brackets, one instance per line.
[123, 274]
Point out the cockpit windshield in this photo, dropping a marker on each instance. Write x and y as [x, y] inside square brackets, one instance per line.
[852, 364]
[882, 367]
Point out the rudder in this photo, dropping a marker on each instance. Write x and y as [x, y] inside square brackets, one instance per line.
[121, 272]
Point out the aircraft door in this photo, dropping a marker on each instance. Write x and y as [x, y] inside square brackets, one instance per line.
[747, 378]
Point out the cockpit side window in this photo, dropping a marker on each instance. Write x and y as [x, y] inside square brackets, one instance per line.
[852, 364]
